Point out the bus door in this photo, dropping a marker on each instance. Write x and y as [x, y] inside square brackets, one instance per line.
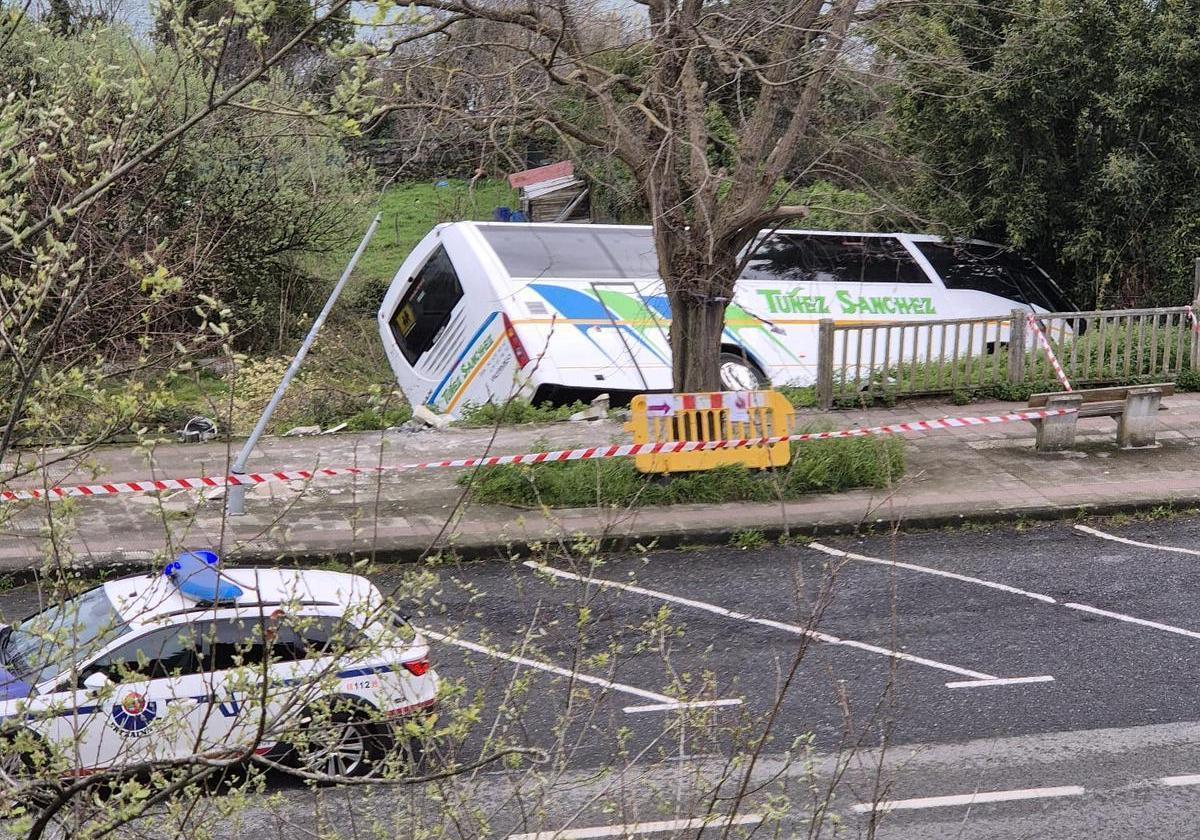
[636, 332]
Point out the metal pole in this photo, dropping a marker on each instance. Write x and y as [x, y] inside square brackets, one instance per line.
[1195, 325]
[236, 497]
[825, 340]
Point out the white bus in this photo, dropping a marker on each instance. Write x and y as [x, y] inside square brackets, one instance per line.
[480, 311]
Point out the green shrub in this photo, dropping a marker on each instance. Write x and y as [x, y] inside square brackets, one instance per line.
[748, 539]
[816, 466]
[805, 397]
[230, 212]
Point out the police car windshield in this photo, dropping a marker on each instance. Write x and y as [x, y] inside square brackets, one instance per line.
[44, 645]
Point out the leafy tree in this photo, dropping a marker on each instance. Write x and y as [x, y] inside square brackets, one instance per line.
[247, 44]
[1060, 126]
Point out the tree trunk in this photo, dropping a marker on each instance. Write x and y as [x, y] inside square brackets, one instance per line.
[696, 325]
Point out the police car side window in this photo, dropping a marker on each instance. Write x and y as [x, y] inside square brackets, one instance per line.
[237, 642]
[159, 654]
[326, 633]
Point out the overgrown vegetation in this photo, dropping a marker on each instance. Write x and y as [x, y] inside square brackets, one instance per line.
[515, 413]
[826, 466]
[229, 214]
[345, 379]
[1057, 128]
[1124, 355]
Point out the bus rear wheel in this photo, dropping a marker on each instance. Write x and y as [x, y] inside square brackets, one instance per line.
[738, 373]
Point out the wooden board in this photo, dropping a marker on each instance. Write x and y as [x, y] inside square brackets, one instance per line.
[1096, 395]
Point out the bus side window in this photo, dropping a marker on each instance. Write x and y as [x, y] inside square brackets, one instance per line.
[426, 306]
[995, 271]
[848, 260]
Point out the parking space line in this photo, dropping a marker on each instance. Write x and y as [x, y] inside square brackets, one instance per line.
[794, 629]
[1104, 535]
[1180, 781]
[716, 821]
[990, 584]
[1166, 628]
[969, 799]
[675, 704]
[1154, 625]
[661, 701]
[1002, 681]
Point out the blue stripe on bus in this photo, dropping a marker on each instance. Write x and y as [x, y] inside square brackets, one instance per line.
[467, 349]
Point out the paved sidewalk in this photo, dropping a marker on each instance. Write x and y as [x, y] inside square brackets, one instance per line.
[979, 473]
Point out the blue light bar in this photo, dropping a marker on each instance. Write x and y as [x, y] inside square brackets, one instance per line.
[196, 575]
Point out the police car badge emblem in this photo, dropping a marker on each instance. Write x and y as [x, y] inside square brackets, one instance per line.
[133, 714]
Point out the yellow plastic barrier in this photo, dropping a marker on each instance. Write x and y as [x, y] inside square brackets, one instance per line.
[718, 416]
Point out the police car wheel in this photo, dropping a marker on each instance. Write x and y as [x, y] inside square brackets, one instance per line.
[338, 744]
[21, 754]
[740, 374]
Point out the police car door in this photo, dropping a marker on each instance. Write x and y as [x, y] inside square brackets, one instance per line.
[152, 708]
[256, 685]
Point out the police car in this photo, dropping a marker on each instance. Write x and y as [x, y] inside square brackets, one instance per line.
[309, 668]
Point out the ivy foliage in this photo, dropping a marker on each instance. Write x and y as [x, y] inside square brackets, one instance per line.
[1062, 127]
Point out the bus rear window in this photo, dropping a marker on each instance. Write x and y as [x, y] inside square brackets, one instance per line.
[996, 271]
[426, 306]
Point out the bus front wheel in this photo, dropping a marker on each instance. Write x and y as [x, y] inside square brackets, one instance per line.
[738, 373]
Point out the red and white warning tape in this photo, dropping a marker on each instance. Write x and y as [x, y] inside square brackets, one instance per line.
[585, 454]
[1050, 357]
[1191, 313]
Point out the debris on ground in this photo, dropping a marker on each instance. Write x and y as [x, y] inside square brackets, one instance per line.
[197, 430]
[598, 410]
[430, 418]
[301, 431]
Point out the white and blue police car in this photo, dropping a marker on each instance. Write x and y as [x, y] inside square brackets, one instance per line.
[309, 668]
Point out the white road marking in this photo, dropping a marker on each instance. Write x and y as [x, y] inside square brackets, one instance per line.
[641, 828]
[696, 704]
[1003, 681]
[1180, 781]
[765, 622]
[1167, 628]
[969, 799]
[661, 701]
[990, 584]
[1114, 538]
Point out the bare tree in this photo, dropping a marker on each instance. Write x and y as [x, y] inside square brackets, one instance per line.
[714, 108]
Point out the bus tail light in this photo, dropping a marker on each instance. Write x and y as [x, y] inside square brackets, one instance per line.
[514, 342]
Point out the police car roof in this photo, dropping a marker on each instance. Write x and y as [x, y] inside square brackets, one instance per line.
[146, 598]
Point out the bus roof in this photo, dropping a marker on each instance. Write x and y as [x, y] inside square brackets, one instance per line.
[528, 251]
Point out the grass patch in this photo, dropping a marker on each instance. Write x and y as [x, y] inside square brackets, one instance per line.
[805, 397]
[410, 210]
[827, 466]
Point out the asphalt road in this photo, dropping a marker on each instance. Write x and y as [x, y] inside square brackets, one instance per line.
[1046, 667]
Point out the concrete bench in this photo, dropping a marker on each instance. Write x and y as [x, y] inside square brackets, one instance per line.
[1134, 407]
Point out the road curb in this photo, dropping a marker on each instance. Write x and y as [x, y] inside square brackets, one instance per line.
[410, 550]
